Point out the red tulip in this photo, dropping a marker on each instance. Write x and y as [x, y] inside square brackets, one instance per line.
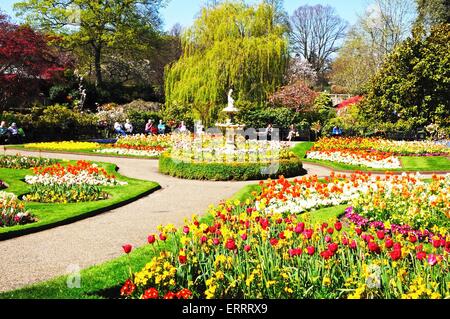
[127, 248]
[333, 247]
[345, 241]
[380, 234]
[300, 228]
[373, 247]
[309, 233]
[397, 246]
[247, 248]
[330, 231]
[326, 254]
[231, 245]
[412, 239]
[327, 239]
[281, 236]
[151, 239]
[274, 241]
[216, 241]
[338, 226]
[182, 259]
[186, 230]
[162, 237]
[353, 244]
[203, 239]
[151, 293]
[358, 231]
[396, 254]
[311, 250]
[421, 255]
[389, 243]
[436, 243]
[244, 236]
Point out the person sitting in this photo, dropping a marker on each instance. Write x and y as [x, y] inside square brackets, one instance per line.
[14, 136]
[118, 129]
[128, 127]
[4, 132]
[292, 133]
[336, 131]
[149, 127]
[161, 128]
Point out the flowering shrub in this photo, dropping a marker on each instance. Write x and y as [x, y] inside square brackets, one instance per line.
[24, 162]
[12, 212]
[64, 146]
[74, 183]
[246, 253]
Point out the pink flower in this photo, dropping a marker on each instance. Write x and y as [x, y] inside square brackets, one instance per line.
[231, 245]
[353, 244]
[432, 260]
[247, 248]
[300, 228]
[244, 236]
[203, 240]
[327, 239]
[186, 230]
[216, 241]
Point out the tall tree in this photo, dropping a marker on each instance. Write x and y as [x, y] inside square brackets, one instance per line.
[354, 65]
[385, 24]
[26, 60]
[315, 33]
[411, 89]
[232, 45]
[98, 25]
[432, 12]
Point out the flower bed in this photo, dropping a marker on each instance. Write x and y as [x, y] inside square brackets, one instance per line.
[73, 183]
[12, 212]
[372, 159]
[228, 171]
[399, 148]
[250, 254]
[144, 151]
[141, 140]
[24, 162]
[64, 146]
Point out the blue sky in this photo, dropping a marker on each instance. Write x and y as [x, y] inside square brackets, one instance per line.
[184, 11]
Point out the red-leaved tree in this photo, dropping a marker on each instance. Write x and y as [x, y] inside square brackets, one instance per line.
[27, 61]
[297, 96]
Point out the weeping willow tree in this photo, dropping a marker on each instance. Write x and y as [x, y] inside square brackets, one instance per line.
[231, 45]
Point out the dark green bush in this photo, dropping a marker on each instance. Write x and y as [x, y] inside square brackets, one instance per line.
[227, 171]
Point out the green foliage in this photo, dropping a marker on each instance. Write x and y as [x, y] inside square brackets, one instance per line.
[412, 88]
[231, 45]
[56, 122]
[432, 12]
[226, 171]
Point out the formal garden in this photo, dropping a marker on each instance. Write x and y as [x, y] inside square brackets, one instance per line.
[231, 159]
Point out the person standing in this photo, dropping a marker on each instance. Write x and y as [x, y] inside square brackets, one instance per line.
[292, 132]
[4, 132]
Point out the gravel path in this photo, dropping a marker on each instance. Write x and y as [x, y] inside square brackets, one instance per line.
[41, 256]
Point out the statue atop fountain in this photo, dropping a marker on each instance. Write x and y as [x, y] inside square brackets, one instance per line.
[230, 128]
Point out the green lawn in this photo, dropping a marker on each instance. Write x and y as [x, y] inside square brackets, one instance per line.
[409, 163]
[104, 281]
[50, 215]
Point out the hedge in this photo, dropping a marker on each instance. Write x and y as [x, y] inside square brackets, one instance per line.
[227, 171]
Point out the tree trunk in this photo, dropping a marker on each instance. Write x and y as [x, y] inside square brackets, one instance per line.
[98, 66]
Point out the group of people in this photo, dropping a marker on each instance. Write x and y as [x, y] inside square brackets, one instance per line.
[12, 134]
[150, 128]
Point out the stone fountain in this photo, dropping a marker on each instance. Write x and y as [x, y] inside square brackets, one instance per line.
[230, 127]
